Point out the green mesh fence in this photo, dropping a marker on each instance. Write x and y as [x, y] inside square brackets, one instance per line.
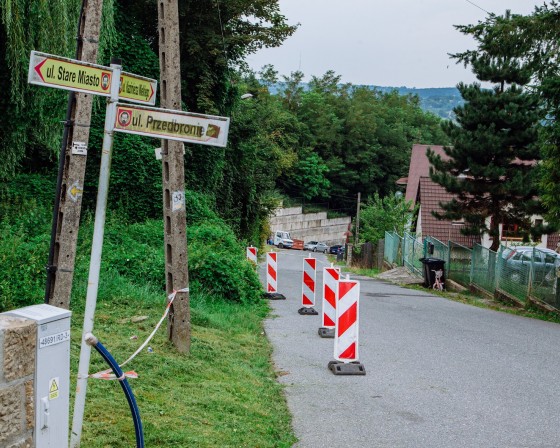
[440, 250]
[413, 250]
[519, 272]
[393, 248]
[459, 264]
[514, 269]
[399, 261]
[483, 268]
[545, 267]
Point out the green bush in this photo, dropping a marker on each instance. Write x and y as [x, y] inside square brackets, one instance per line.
[135, 251]
[25, 224]
[132, 257]
[217, 264]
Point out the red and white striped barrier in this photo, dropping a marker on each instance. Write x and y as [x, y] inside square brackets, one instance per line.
[347, 321]
[252, 254]
[308, 282]
[330, 292]
[308, 286]
[271, 272]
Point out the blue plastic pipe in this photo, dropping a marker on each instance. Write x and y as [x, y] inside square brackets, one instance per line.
[94, 342]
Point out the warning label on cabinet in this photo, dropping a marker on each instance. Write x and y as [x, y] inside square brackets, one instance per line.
[54, 391]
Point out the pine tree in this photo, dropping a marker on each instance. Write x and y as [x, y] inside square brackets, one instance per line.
[494, 155]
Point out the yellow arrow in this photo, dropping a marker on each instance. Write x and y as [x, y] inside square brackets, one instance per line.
[76, 191]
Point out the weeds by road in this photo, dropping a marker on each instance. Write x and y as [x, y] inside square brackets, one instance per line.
[224, 394]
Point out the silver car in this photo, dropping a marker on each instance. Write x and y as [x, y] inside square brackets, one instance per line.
[518, 261]
[316, 246]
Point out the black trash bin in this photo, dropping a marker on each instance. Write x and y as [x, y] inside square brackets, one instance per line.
[429, 266]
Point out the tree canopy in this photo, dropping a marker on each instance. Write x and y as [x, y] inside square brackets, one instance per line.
[492, 165]
[323, 140]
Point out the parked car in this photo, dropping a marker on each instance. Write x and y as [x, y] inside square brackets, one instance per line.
[283, 239]
[336, 249]
[518, 263]
[316, 246]
[310, 245]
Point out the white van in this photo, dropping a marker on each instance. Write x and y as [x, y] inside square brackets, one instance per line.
[283, 239]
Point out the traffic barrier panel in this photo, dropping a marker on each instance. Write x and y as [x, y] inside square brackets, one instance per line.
[271, 272]
[271, 277]
[308, 286]
[252, 254]
[330, 290]
[347, 328]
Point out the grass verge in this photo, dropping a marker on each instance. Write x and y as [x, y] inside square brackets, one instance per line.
[471, 298]
[224, 394]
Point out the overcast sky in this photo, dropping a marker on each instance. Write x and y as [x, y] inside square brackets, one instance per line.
[385, 43]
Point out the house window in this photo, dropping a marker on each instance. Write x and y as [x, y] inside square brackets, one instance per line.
[511, 232]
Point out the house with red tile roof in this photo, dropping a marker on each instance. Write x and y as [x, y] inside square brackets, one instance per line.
[421, 190]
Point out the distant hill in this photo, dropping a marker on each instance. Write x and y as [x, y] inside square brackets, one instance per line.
[438, 100]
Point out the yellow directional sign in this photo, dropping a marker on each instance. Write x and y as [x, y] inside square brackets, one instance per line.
[69, 74]
[78, 76]
[172, 124]
[138, 89]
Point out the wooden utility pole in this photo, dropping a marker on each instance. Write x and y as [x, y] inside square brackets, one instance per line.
[357, 235]
[66, 217]
[174, 213]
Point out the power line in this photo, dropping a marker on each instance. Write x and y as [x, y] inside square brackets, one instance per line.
[474, 4]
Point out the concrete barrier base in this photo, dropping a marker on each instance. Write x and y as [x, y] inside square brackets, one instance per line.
[349, 368]
[274, 296]
[326, 332]
[308, 311]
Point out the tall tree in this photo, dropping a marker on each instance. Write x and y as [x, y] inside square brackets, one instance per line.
[537, 39]
[492, 163]
[379, 215]
[216, 36]
[33, 128]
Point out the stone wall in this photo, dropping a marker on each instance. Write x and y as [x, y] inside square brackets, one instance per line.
[310, 226]
[17, 367]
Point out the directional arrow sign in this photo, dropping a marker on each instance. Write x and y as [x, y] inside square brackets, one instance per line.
[69, 74]
[138, 89]
[172, 125]
[78, 76]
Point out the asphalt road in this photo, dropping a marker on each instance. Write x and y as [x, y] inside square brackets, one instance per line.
[438, 373]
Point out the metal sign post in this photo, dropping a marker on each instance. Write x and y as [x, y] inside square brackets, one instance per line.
[95, 260]
[68, 74]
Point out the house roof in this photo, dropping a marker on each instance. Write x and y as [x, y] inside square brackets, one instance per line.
[430, 195]
[422, 190]
[420, 167]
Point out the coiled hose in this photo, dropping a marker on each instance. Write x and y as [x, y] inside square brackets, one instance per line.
[94, 342]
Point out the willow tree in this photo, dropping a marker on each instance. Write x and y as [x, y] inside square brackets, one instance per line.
[30, 117]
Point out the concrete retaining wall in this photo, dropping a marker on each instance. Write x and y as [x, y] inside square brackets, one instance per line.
[310, 226]
[17, 368]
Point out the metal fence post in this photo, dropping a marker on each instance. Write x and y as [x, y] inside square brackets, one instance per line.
[531, 274]
[472, 265]
[448, 259]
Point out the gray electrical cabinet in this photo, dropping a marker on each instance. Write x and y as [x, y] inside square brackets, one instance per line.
[52, 373]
